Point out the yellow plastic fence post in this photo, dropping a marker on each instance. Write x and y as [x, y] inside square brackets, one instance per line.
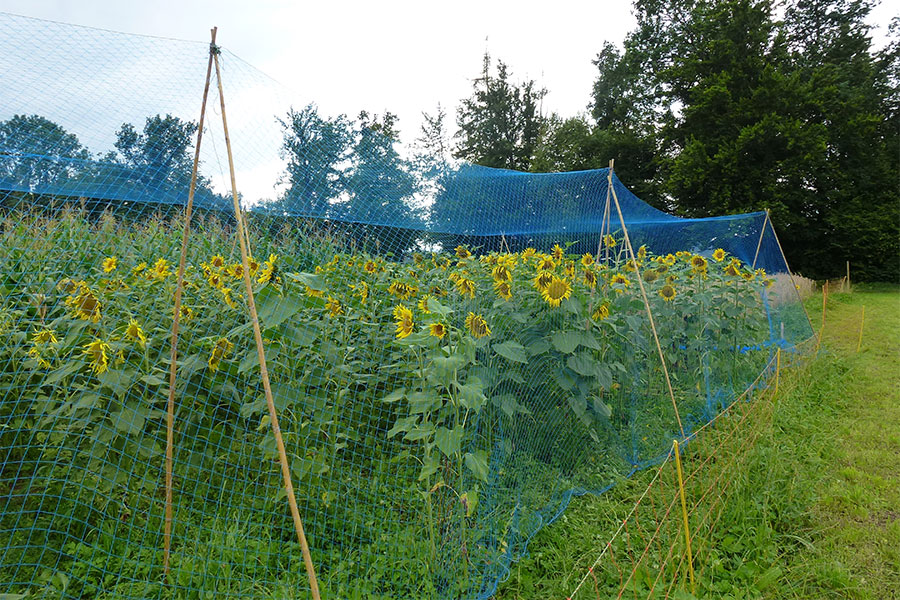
[684, 513]
[862, 320]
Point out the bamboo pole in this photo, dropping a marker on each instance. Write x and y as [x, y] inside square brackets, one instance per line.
[604, 223]
[777, 370]
[173, 354]
[824, 310]
[848, 277]
[684, 513]
[637, 272]
[257, 334]
[862, 320]
[762, 232]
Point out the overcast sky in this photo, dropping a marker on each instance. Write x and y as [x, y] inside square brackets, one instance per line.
[402, 56]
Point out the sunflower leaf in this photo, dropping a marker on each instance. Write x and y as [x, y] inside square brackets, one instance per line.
[512, 351]
[448, 440]
[477, 462]
[565, 341]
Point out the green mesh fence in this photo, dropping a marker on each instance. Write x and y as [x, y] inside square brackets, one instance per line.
[454, 351]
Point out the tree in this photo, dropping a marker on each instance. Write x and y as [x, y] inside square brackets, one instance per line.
[499, 124]
[39, 155]
[315, 148]
[160, 155]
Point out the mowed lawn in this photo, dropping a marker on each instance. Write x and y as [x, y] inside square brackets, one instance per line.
[816, 510]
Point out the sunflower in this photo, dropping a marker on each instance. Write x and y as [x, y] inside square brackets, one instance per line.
[557, 252]
[438, 330]
[501, 273]
[747, 275]
[503, 289]
[542, 281]
[731, 270]
[254, 266]
[570, 268]
[98, 352]
[44, 336]
[186, 313]
[314, 293]
[67, 286]
[226, 296]
[134, 333]
[466, 287]
[610, 241]
[651, 275]
[558, 290]
[698, 264]
[423, 304]
[527, 253]
[160, 269]
[418, 258]
[401, 290]
[438, 291]
[718, 255]
[404, 321]
[477, 325]
[545, 263]
[601, 313]
[269, 271]
[85, 304]
[35, 354]
[668, 292]
[590, 278]
[109, 264]
[463, 252]
[236, 270]
[333, 305]
[662, 268]
[222, 349]
[619, 279]
[361, 291]
[215, 280]
[587, 259]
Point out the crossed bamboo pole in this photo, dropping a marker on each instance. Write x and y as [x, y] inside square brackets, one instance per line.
[243, 238]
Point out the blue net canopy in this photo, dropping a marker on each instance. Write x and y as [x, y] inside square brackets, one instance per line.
[455, 351]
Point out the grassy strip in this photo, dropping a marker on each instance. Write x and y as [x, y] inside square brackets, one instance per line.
[801, 503]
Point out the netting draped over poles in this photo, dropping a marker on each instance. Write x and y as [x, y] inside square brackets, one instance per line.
[451, 358]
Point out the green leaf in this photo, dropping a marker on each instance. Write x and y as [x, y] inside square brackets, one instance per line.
[436, 307]
[477, 462]
[565, 341]
[422, 402]
[582, 363]
[300, 334]
[273, 308]
[510, 405]
[602, 408]
[130, 420]
[471, 395]
[512, 351]
[421, 431]
[315, 282]
[470, 500]
[448, 441]
[61, 373]
[429, 467]
[395, 395]
[403, 424]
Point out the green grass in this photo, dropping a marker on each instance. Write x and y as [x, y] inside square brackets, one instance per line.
[812, 504]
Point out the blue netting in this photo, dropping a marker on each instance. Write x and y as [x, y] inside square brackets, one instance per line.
[455, 350]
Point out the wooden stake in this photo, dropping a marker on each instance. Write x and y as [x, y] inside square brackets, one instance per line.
[606, 215]
[848, 277]
[637, 272]
[862, 320]
[777, 370]
[824, 309]
[173, 354]
[264, 372]
[684, 513]
[762, 232]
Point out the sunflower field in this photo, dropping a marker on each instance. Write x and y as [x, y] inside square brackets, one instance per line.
[438, 407]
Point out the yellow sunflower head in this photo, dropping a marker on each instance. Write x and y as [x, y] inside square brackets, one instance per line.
[98, 354]
[370, 266]
[501, 273]
[403, 318]
[651, 275]
[477, 326]
[557, 252]
[557, 291]
[465, 287]
[269, 271]
[619, 279]
[333, 306]
[85, 304]
[160, 269]
[590, 278]
[134, 332]
[587, 259]
[463, 252]
[601, 312]
[609, 240]
[438, 330]
[503, 289]
[698, 263]
[109, 264]
[668, 292]
[44, 336]
[718, 255]
[545, 263]
[217, 261]
[220, 351]
[543, 280]
[423, 304]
